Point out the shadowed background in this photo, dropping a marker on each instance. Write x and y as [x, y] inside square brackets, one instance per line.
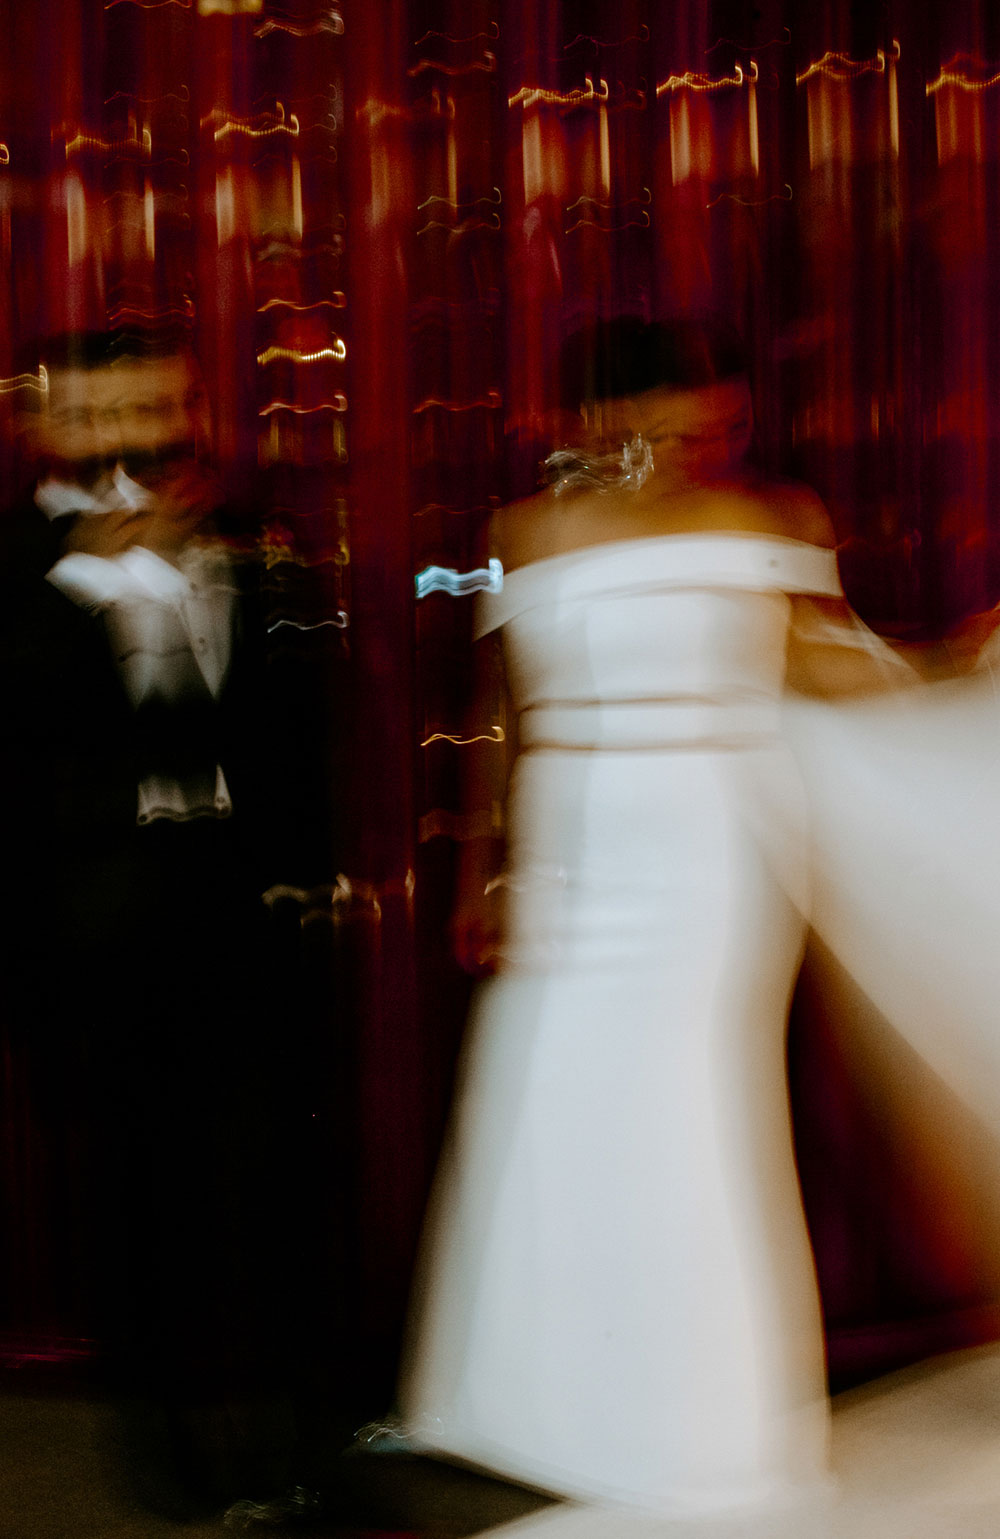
[377, 222]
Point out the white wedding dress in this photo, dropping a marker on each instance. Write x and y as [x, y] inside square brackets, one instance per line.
[617, 1298]
[904, 795]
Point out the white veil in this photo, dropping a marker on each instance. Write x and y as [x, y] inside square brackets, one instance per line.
[903, 787]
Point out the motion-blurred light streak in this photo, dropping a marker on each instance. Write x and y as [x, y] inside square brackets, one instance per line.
[694, 81]
[840, 66]
[492, 32]
[586, 95]
[486, 65]
[444, 579]
[954, 73]
[295, 355]
[492, 402]
[338, 302]
[339, 403]
[332, 23]
[29, 381]
[340, 622]
[642, 36]
[143, 143]
[496, 734]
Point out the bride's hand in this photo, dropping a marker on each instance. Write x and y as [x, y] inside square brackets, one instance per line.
[476, 920]
[475, 940]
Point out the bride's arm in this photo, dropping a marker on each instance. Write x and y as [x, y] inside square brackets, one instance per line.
[967, 647]
[490, 731]
[832, 653]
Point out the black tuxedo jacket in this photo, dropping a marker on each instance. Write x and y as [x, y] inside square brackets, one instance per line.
[75, 749]
[69, 761]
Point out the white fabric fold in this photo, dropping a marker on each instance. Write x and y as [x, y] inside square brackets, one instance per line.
[751, 562]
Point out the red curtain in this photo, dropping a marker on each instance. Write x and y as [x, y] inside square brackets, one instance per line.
[377, 222]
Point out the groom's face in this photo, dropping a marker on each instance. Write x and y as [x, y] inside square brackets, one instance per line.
[76, 435]
[165, 432]
[162, 414]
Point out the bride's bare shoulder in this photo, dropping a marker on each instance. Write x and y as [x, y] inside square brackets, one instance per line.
[789, 508]
[527, 530]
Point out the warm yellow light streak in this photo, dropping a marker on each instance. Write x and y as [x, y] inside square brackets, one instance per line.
[149, 219]
[840, 66]
[642, 36]
[338, 351]
[186, 310]
[494, 735]
[644, 199]
[642, 223]
[437, 197]
[539, 171]
[340, 623]
[532, 96]
[39, 382]
[680, 140]
[245, 126]
[492, 400]
[952, 74]
[485, 66]
[82, 141]
[4, 155]
[183, 95]
[230, 7]
[220, 115]
[492, 32]
[894, 100]
[604, 141]
[298, 218]
[334, 23]
[452, 165]
[776, 197]
[492, 223]
[257, 127]
[752, 125]
[691, 81]
[338, 302]
[339, 403]
[225, 205]
[76, 220]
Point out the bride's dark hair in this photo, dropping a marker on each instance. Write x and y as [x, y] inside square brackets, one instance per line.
[626, 356]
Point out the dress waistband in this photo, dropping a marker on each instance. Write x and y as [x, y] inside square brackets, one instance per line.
[633, 725]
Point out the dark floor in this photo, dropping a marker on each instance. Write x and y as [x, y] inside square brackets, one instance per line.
[82, 1462]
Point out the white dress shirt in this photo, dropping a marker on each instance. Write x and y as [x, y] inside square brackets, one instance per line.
[159, 615]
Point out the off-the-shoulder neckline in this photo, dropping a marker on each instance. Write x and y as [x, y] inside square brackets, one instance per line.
[747, 536]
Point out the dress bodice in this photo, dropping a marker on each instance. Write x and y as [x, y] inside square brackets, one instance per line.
[655, 640]
[623, 1091]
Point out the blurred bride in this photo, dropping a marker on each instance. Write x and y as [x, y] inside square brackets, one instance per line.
[617, 1297]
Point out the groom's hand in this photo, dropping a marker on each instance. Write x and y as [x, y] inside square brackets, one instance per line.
[106, 534]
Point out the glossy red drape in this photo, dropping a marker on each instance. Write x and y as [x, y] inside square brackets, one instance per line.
[377, 221]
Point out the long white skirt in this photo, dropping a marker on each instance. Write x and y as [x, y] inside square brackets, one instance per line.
[617, 1298]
